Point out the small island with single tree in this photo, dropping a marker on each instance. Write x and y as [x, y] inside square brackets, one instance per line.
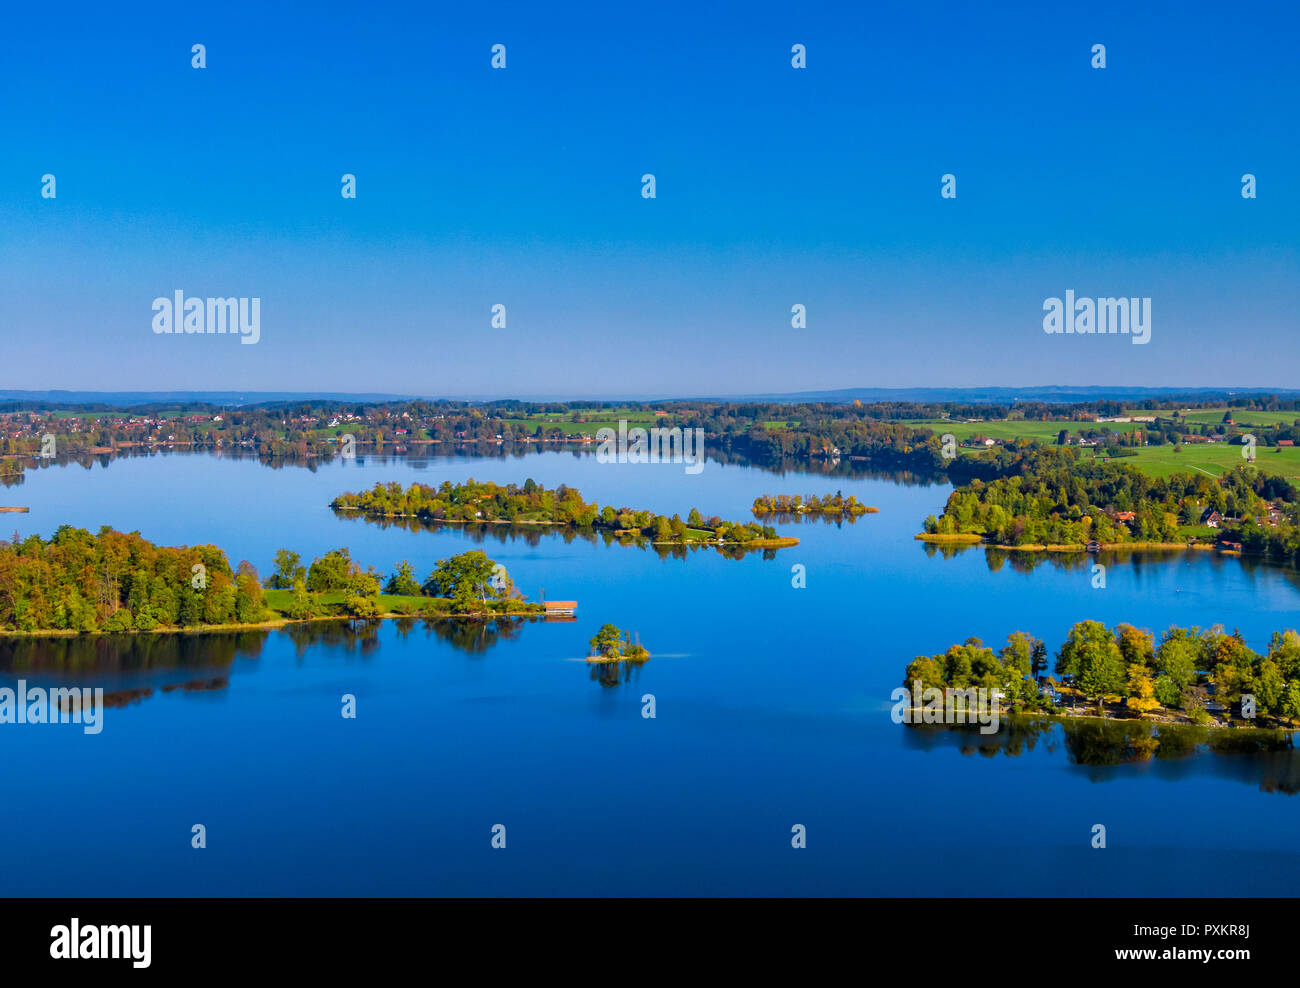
[611, 644]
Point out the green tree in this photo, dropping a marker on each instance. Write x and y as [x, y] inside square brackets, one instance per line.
[929, 671]
[465, 578]
[330, 572]
[1291, 700]
[366, 608]
[1092, 656]
[607, 642]
[1177, 657]
[287, 568]
[1018, 654]
[403, 581]
[364, 583]
[1270, 687]
[301, 603]
[1167, 692]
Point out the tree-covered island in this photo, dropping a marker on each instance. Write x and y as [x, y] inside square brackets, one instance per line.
[1204, 677]
[77, 582]
[830, 505]
[611, 644]
[486, 503]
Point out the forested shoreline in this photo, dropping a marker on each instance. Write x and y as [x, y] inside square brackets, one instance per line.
[1208, 677]
[1055, 496]
[77, 582]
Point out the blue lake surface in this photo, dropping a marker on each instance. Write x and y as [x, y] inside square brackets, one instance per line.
[772, 709]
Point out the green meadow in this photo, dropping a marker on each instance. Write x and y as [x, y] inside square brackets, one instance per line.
[1156, 461]
[1213, 459]
[1241, 416]
[279, 600]
[1018, 428]
[594, 419]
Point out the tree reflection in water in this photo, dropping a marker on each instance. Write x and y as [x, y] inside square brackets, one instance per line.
[131, 667]
[616, 673]
[1136, 559]
[1106, 749]
[532, 536]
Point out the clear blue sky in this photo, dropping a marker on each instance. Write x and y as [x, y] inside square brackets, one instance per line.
[775, 186]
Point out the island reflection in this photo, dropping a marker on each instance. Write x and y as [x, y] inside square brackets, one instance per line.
[425, 456]
[1026, 561]
[131, 668]
[1107, 749]
[532, 536]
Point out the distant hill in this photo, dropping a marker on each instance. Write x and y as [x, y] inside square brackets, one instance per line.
[1046, 393]
[123, 398]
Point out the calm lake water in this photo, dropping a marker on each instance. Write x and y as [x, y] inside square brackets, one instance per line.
[772, 709]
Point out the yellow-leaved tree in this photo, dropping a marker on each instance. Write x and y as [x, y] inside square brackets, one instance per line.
[1141, 690]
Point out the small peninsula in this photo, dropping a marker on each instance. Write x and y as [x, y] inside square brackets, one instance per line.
[1056, 500]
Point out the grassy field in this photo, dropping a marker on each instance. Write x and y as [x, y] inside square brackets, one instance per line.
[1018, 428]
[1213, 459]
[622, 412]
[595, 421]
[1213, 416]
[279, 600]
[67, 413]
